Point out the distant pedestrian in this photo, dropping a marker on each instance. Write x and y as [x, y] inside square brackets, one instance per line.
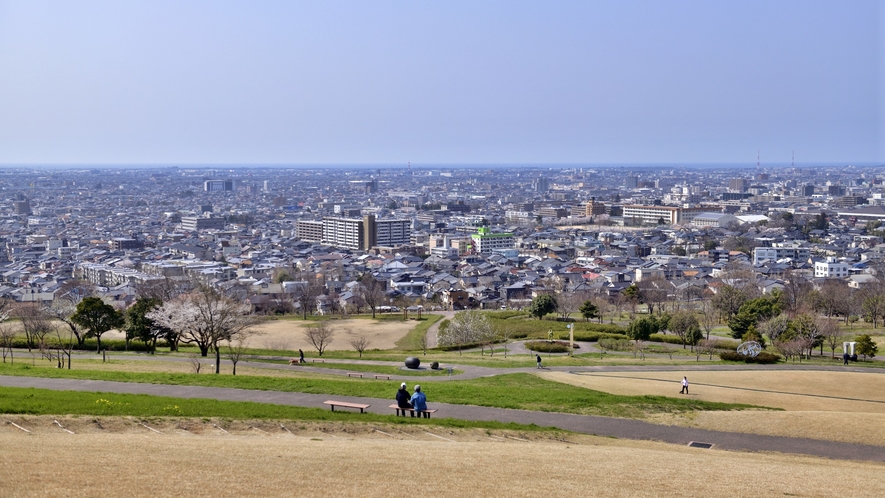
[301, 356]
[538, 359]
[845, 357]
[684, 386]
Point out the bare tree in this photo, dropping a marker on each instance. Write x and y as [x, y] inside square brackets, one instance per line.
[235, 350]
[196, 365]
[832, 335]
[653, 292]
[372, 292]
[62, 310]
[306, 293]
[65, 341]
[708, 319]
[7, 336]
[706, 346]
[162, 289]
[320, 335]
[36, 324]
[361, 343]
[568, 303]
[775, 327]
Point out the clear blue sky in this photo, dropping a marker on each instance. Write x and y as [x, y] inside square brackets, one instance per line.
[441, 82]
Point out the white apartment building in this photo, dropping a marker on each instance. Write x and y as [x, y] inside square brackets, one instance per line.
[486, 242]
[653, 215]
[831, 268]
[773, 254]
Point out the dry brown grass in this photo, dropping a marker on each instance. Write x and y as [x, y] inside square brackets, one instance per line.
[193, 458]
[808, 413]
[805, 388]
[288, 334]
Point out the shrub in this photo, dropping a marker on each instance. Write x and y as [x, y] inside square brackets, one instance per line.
[762, 358]
[593, 336]
[616, 344]
[548, 347]
[669, 339]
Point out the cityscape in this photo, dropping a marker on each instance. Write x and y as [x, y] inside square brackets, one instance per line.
[468, 248]
[501, 234]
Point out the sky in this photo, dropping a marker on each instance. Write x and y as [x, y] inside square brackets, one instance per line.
[454, 82]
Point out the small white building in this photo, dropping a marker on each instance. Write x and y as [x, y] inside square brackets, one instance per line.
[831, 268]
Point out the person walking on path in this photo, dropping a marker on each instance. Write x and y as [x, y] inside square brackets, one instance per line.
[301, 356]
[684, 386]
[402, 398]
[419, 401]
[538, 359]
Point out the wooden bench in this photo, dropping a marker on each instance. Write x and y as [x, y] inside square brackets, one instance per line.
[355, 374]
[317, 360]
[382, 376]
[402, 410]
[345, 404]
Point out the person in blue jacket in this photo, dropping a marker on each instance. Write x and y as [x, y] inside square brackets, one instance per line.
[419, 401]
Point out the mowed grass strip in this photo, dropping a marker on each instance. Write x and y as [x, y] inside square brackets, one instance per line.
[31, 401]
[364, 367]
[516, 391]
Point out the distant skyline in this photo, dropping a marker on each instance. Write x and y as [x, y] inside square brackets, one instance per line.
[490, 82]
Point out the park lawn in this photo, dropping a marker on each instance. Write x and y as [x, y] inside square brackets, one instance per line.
[31, 401]
[516, 391]
[366, 367]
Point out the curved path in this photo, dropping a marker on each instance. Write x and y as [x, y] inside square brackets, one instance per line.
[601, 426]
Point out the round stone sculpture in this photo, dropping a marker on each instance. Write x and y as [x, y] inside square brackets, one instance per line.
[750, 348]
[434, 365]
[412, 362]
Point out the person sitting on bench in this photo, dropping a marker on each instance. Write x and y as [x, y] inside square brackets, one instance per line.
[402, 398]
[419, 400]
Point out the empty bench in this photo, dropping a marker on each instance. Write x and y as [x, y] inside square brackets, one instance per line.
[355, 374]
[345, 404]
[401, 410]
[382, 376]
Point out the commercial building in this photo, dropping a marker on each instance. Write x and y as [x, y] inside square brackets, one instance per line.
[593, 208]
[218, 185]
[194, 223]
[738, 184]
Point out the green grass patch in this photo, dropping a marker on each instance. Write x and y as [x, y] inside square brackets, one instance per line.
[366, 367]
[518, 391]
[412, 340]
[30, 401]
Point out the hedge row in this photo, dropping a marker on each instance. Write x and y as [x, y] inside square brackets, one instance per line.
[762, 358]
[548, 347]
[92, 344]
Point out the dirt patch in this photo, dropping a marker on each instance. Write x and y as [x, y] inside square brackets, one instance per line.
[786, 389]
[815, 407]
[289, 334]
[197, 458]
[859, 428]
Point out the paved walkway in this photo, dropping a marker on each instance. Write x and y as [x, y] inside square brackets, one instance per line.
[602, 426]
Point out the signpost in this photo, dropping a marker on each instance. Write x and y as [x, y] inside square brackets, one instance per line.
[571, 337]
